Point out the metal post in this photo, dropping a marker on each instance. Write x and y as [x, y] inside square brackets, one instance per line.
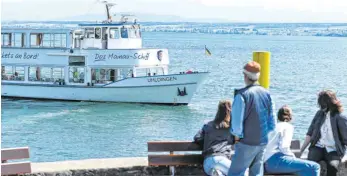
[172, 168]
[263, 58]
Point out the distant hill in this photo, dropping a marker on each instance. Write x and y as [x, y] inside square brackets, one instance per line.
[142, 17]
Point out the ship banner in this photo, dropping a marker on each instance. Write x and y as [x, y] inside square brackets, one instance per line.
[129, 57]
[93, 57]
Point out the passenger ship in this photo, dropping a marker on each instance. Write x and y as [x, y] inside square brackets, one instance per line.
[94, 62]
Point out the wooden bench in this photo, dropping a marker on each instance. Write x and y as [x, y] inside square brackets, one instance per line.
[173, 159]
[15, 168]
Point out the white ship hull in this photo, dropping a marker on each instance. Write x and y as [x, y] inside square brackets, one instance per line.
[166, 89]
[97, 62]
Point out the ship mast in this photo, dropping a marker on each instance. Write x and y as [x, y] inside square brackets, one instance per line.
[108, 12]
[108, 6]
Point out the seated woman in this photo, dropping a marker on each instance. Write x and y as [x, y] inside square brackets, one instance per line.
[327, 133]
[278, 156]
[216, 141]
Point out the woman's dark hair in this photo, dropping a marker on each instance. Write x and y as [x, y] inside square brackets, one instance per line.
[327, 101]
[284, 114]
[222, 119]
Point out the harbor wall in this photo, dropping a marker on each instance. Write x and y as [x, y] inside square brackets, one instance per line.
[123, 167]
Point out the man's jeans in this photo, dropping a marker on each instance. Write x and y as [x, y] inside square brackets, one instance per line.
[247, 156]
[280, 163]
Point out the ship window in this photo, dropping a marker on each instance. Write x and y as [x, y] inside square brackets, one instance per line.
[97, 33]
[104, 33]
[138, 33]
[46, 74]
[12, 73]
[57, 74]
[34, 74]
[18, 40]
[47, 40]
[76, 75]
[125, 73]
[3, 77]
[35, 39]
[132, 33]
[59, 40]
[124, 32]
[142, 72]
[24, 39]
[76, 61]
[89, 33]
[63, 40]
[114, 33]
[104, 75]
[6, 39]
[6, 72]
[19, 73]
[157, 71]
[56, 40]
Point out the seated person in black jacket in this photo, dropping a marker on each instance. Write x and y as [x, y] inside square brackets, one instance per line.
[217, 141]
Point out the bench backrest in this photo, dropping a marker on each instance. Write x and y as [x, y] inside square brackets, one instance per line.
[172, 159]
[16, 167]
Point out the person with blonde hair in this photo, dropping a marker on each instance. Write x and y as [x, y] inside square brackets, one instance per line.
[216, 141]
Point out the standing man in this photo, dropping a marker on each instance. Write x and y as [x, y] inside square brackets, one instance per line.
[252, 120]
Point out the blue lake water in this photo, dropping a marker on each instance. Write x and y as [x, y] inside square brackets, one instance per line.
[301, 66]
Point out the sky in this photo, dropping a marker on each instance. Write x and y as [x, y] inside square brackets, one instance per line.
[230, 10]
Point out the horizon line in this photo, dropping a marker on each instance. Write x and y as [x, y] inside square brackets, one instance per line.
[202, 21]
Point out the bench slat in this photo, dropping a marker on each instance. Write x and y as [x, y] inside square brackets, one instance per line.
[167, 146]
[172, 160]
[180, 146]
[295, 144]
[14, 153]
[15, 168]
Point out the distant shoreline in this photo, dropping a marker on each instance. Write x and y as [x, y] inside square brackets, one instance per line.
[275, 29]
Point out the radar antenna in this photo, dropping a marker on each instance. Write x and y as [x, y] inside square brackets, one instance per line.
[125, 17]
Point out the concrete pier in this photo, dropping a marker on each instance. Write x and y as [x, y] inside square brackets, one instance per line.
[137, 166]
[132, 166]
[89, 164]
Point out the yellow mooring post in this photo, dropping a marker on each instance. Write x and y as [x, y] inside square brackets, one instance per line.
[263, 58]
